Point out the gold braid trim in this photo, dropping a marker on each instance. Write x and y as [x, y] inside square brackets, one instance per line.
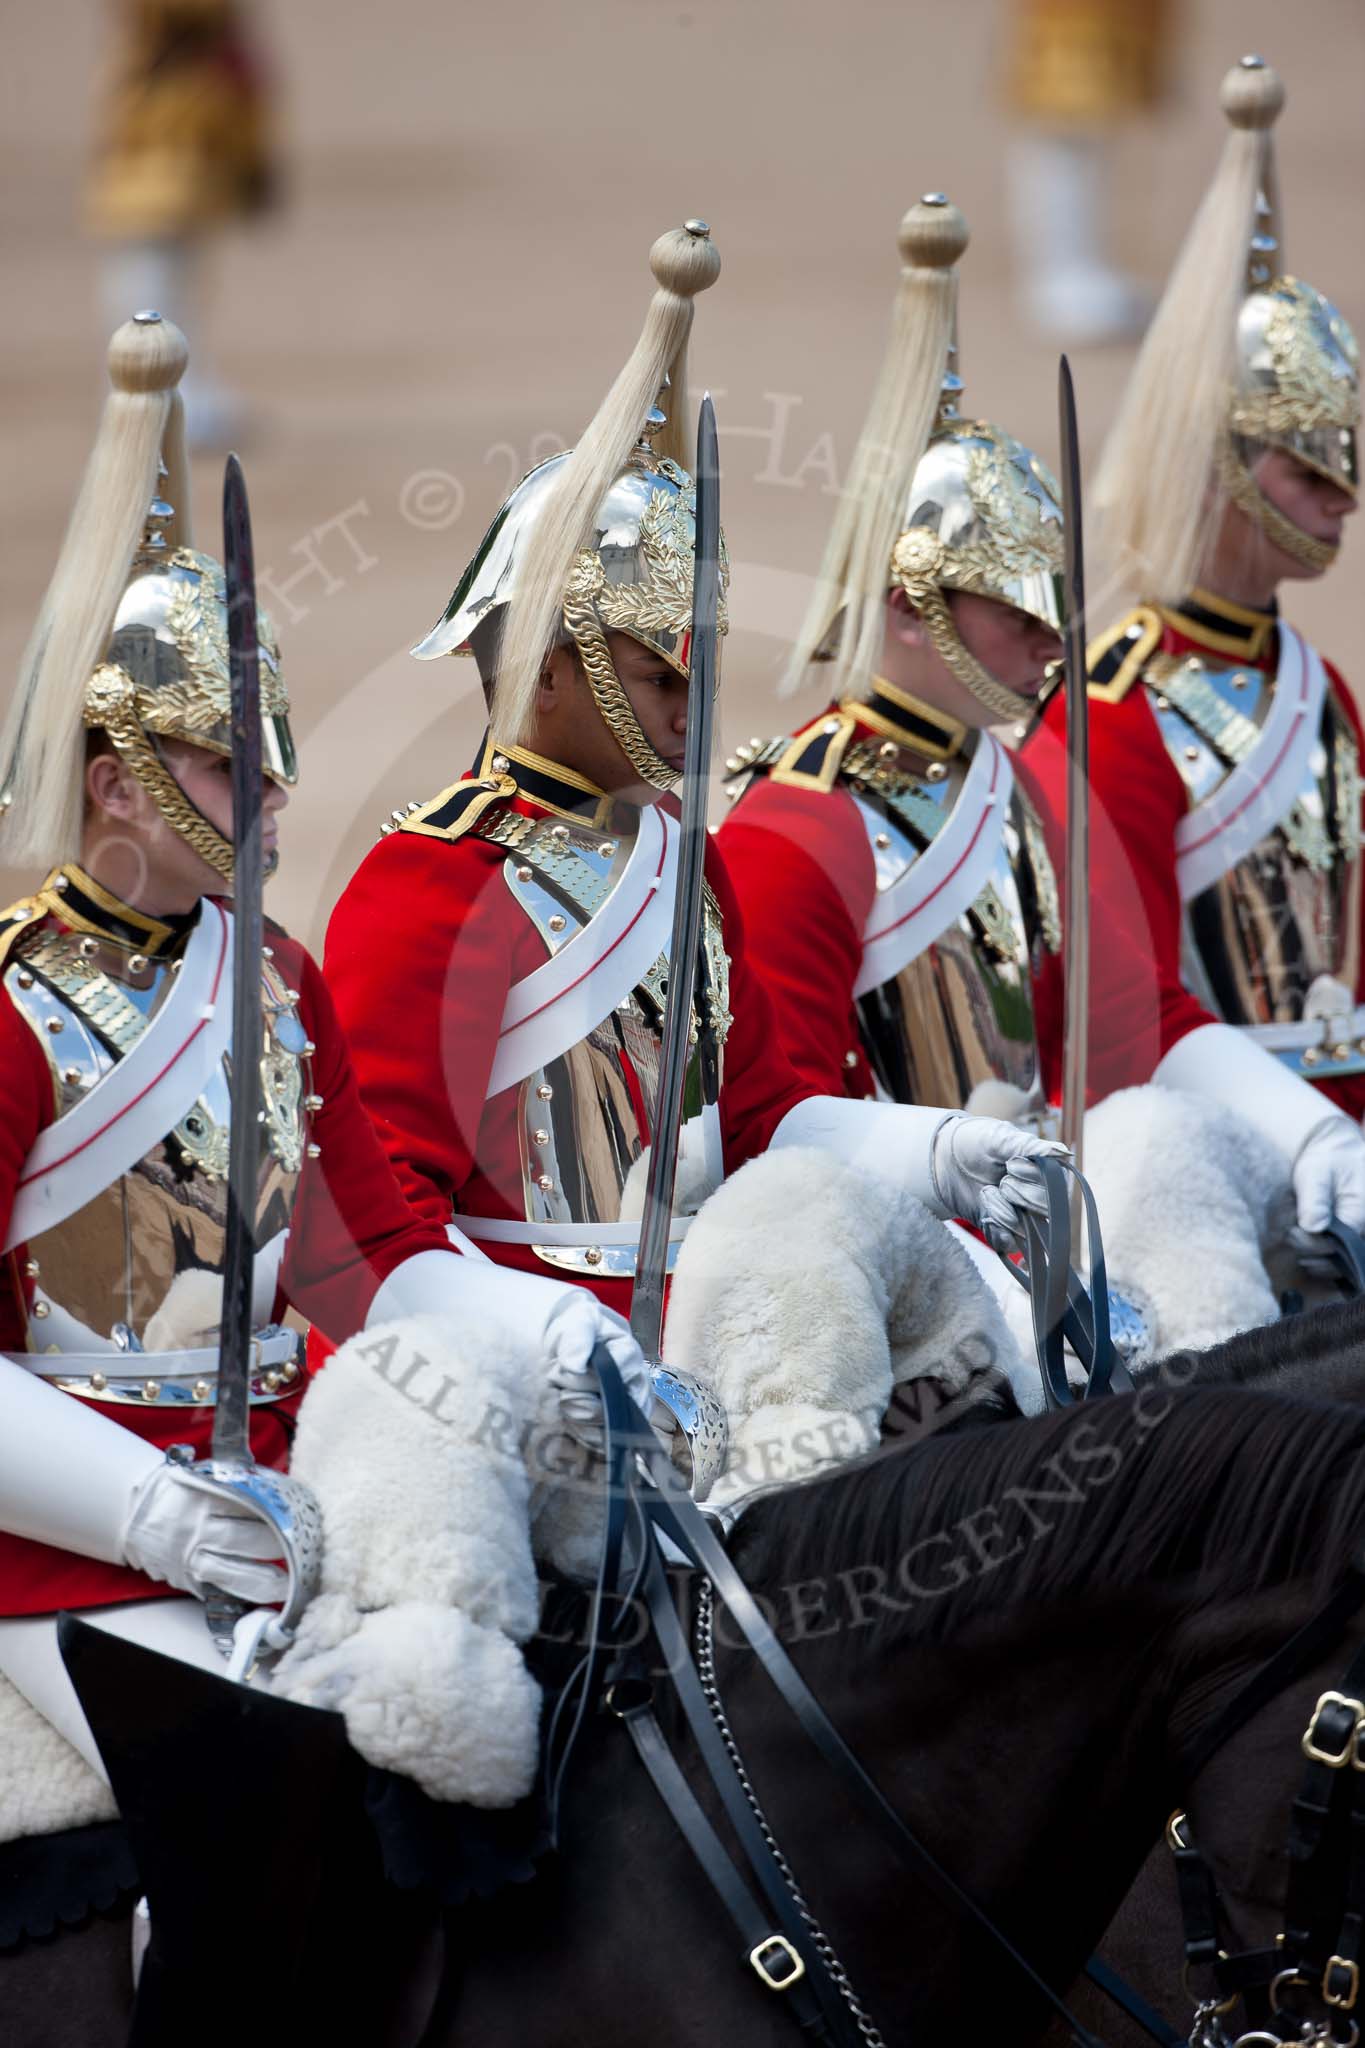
[612, 702]
[110, 704]
[1241, 488]
[1003, 704]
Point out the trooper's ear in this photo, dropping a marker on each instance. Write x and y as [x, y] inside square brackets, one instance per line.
[555, 677]
[111, 786]
[903, 621]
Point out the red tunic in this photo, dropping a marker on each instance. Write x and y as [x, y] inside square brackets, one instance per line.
[350, 1228]
[802, 867]
[423, 947]
[1137, 801]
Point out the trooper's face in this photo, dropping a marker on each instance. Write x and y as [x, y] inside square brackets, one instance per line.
[135, 852]
[1014, 649]
[1012, 646]
[1309, 500]
[570, 729]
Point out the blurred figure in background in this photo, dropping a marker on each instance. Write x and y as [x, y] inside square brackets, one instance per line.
[183, 148]
[1075, 68]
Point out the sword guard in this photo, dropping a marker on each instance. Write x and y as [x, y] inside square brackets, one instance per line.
[699, 1424]
[290, 1509]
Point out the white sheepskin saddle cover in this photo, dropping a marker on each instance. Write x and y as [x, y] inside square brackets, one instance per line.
[1191, 1200]
[412, 1443]
[804, 1292]
[45, 1784]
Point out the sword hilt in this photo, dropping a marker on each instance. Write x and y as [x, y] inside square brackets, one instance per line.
[288, 1507]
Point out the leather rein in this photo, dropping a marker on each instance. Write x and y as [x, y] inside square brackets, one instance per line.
[780, 1940]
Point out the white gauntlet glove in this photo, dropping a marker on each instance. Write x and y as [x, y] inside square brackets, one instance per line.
[565, 1322]
[1329, 1175]
[195, 1541]
[969, 1166]
[984, 1170]
[77, 1479]
[1321, 1145]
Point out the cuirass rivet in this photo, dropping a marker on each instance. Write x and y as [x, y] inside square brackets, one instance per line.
[89, 947]
[136, 962]
[271, 1382]
[1191, 753]
[593, 1255]
[41, 1310]
[883, 840]
[545, 1091]
[289, 1371]
[313, 1103]
[98, 1382]
[315, 1151]
[25, 981]
[308, 1048]
[559, 832]
[200, 1390]
[888, 750]
[71, 1075]
[850, 1059]
[56, 1024]
[32, 1268]
[556, 923]
[540, 1137]
[607, 848]
[935, 772]
[523, 874]
[545, 1184]
[150, 1389]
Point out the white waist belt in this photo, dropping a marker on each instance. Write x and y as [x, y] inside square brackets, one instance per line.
[165, 1379]
[507, 1230]
[1323, 1031]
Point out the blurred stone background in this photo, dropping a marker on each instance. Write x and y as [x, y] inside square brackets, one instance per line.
[459, 268]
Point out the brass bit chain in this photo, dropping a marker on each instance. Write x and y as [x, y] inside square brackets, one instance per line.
[706, 1672]
[612, 701]
[1240, 486]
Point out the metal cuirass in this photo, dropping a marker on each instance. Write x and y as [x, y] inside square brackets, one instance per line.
[585, 1115]
[114, 1277]
[1274, 942]
[960, 1013]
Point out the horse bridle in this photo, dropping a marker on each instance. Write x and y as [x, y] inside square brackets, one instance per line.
[782, 1943]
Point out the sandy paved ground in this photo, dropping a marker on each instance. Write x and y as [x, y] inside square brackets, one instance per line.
[462, 266]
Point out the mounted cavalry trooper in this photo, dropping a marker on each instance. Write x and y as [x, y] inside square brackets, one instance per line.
[1225, 753]
[892, 856]
[509, 1054]
[115, 1057]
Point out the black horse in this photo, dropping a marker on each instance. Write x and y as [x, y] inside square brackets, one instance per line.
[1318, 1356]
[1021, 1631]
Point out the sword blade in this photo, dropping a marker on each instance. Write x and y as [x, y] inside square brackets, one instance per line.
[647, 1296]
[230, 1441]
[1075, 1044]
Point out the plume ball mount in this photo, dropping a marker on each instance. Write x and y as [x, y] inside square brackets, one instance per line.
[685, 260]
[1252, 94]
[147, 354]
[933, 235]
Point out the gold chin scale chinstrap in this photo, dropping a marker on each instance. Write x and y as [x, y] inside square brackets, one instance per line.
[110, 705]
[1241, 489]
[938, 619]
[612, 701]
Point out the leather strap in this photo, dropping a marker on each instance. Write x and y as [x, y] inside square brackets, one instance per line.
[658, 1492]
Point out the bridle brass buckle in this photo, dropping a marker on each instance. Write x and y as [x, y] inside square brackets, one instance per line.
[1335, 1759]
[1337, 1968]
[776, 1949]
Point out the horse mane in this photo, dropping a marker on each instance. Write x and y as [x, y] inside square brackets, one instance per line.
[1204, 1491]
[1293, 1352]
